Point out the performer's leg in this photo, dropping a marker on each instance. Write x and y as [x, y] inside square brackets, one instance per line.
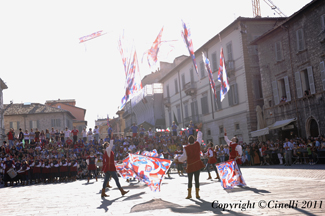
[215, 169]
[189, 189]
[107, 175]
[208, 169]
[114, 176]
[197, 183]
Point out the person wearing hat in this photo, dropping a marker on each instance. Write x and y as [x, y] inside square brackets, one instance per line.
[109, 168]
[91, 162]
[191, 153]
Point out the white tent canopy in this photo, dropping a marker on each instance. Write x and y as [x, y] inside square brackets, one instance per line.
[277, 124]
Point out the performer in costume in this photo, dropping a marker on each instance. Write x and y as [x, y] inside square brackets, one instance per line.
[235, 150]
[24, 172]
[166, 155]
[37, 169]
[211, 160]
[179, 164]
[63, 169]
[92, 168]
[7, 165]
[194, 164]
[109, 168]
[74, 169]
[55, 167]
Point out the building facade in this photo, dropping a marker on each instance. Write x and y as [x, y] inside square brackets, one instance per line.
[35, 115]
[188, 96]
[70, 105]
[3, 86]
[291, 58]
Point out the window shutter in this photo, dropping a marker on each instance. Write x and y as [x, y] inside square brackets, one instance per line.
[311, 80]
[235, 94]
[18, 125]
[214, 61]
[183, 80]
[256, 89]
[322, 71]
[37, 123]
[52, 123]
[59, 123]
[275, 93]
[202, 69]
[287, 87]
[10, 124]
[298, 84]
[192, 75]
[230, 96]
[30, 124]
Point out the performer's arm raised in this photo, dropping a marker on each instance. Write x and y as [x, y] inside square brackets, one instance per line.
[109, 148]
[226, 138]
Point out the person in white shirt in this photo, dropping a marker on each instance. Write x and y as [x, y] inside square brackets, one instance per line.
[96, 133]
[288, 146]
[84, 135]
[67, 133]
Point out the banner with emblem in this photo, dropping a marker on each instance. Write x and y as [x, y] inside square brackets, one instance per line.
[230, 175]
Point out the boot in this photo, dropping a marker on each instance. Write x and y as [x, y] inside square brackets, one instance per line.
[6, 185]
[182, 173]
[123, 192]
[189, 195]
[178, 172]
[103, 193]
[108, 185]
[88, 179]
[217, 176]
[197, 193]
[96, 178]
[209, 176]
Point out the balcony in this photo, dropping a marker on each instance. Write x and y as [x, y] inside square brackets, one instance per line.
[190, 88]
[167, 102]
[126, 114]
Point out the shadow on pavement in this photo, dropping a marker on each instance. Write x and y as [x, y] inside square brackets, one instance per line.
[134, 196]
[241, 188]
[153, 204]
[106, 203]
[131, 186]
[200, 207]
[88, 183]
[205, 183]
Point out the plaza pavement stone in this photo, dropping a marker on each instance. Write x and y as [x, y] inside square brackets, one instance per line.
[264, 183]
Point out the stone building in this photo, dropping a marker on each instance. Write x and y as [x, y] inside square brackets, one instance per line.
[291, 59]
[35, 115]
[3, 86]
[188, 96]
[70, 105]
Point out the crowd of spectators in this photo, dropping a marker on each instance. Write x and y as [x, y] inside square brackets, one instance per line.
[52, 144]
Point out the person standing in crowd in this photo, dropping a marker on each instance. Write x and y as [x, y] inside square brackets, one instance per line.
[235, 150]
[52, 133]
[90, 135]
[8, 164]
[178, 163]
[194, 164]
[134, 130]
[109, 168]
[92, 168]
[26, 138]
[109, 132]
[288, 146]
[67, 133]
[84, 135]
[75, 132]
[21, 135]
[174, 129]
[11, 136]
[31, 135]
[37, 135]
[211, 160]
[96, 133]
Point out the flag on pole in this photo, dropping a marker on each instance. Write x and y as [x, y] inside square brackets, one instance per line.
[208, 69]
[186, 34]
[152, 53]
[149, 170]
[230, 176]
[91, 36]
[222, 76]
[107, 120]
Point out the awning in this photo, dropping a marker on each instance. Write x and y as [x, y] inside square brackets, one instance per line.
[277, 124]
[260, 132]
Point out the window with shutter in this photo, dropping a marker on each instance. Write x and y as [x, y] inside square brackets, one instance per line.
[30, 124]
[275, 92]
[300, 40]
[167, 90]
[52, 122]
[298, 84]
[322, 72]
[218, 104]
[202, 69]
[178, 108]
[214, 62]
[18, 125]
[323, 21]
[230, 96]
[170, 118]
[235, 100]
[229, 52]
[176, 86]
[186, 110]
[311, 80]
[287, 88]
[11, 125]
[192, 75]
[183, 80]
[204, 105]
[278, 51]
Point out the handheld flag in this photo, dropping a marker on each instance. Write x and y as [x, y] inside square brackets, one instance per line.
[230, 176]
[91, 36]
[208, 69]
[222, 77]
[152, 53]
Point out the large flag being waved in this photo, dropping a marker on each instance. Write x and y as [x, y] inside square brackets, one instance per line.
[91, 36]
[208, 69]
[186, 34]
[149, 170]
[230, 175]
[125, 169]
[222, 77]
[152, 53]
